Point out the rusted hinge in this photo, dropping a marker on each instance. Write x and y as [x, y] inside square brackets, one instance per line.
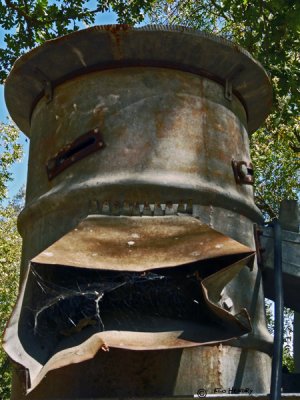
[243, 172]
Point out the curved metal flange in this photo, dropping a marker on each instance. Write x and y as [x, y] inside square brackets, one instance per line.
[37, 73]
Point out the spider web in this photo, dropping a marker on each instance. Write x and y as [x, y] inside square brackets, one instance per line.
[69, 300]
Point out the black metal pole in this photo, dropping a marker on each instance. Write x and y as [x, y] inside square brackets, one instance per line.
[276, 377]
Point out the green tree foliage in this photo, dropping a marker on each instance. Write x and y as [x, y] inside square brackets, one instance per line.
[276, 169]
[10, 152]
[10, 251]
[287, 356]
[269, 30]
[28, 23]
[10, 242]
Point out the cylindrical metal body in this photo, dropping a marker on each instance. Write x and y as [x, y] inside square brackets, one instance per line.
[170, 137]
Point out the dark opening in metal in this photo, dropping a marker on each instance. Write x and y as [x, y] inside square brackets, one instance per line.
[76, 149]
[80, 148]
[63, 306]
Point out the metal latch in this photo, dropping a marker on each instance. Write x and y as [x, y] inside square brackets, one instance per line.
[243, 172]
[73, 152]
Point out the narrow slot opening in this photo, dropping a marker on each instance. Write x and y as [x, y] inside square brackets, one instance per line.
[77, 149]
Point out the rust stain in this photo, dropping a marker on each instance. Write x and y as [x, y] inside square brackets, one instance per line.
[117, 28]
[155, 248]
[117, 36]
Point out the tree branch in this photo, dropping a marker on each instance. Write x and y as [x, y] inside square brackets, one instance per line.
[263, 205]
[21, 13]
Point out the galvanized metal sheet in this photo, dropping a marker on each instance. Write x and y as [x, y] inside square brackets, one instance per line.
[103, 47]
[139, 243]
[169, 138]
[40, 351]
[171, 127]
[162, 334]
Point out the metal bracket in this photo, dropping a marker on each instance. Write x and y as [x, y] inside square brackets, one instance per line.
[48, 91]
[48, 86]
[229, 79]
[243, 172]
[228, 89]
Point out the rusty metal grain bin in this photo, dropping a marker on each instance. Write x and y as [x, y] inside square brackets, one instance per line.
[138, 224]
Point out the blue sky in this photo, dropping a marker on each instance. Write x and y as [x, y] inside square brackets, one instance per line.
[19, 170]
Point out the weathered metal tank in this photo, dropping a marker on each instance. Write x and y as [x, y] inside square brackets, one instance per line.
[138, 224]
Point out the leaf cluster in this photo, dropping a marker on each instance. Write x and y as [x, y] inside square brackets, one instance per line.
[287, 354]
[277, 172]
[10, 242]
[10, 253]
[10, 152]
[28, 23]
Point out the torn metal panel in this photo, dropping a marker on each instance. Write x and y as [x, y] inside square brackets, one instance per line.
[139, 244]
[65, 313]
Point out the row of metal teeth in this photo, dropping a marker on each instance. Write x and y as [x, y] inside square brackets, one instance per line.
[140, 209]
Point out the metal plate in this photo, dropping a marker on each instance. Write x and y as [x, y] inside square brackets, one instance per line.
[139, 243]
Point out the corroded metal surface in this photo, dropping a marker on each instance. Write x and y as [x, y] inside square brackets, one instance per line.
[171, 334]
[171, 128]
[158, 243]
[170, 138]
[141, 243]
[157, 46]
[156, 373]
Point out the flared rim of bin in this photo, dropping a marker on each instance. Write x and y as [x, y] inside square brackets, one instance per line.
[38, 72]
